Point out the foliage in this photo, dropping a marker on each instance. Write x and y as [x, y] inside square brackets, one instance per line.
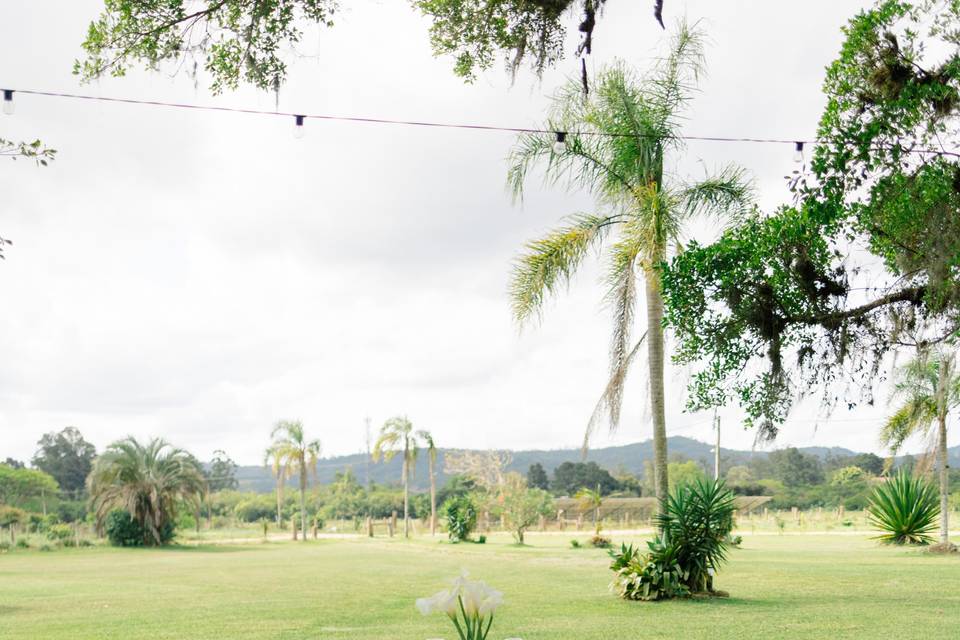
[656, 575]
[600, 542]
[928, 386]
[19, 485]
[537, 477]
[236, 40]
[570, 477]
[523, 506]
[223, 472]
[148, 482]
[11, 515]
[905, 508]
[697, 519]
[124, 531]
[59, 532]
[794, 468]
[460, 515]
[67, 457]
[293, 454]
[779, 295]
[485, 468]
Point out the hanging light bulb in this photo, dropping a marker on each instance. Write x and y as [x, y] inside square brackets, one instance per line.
[798, 152]
[298, 130]
[8, 101]
[561, 144]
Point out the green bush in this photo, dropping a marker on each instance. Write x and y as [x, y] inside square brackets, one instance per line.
[655, 575]
[123, 531]
[4, 545]
[575, 544]
[59, 532]
[698, 519]
[461, 517]
[905, 508]
[600, 542]
[22, 543]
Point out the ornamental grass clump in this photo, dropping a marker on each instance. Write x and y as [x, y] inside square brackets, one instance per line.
[695, 525]
[906, 509]
[470, 605]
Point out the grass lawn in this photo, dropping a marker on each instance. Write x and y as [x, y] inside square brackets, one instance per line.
[790, 586]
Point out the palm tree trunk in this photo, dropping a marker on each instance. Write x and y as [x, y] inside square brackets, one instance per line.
[303, 499]
[655, 355]
[406, 516]
[433, 500]
[944, 480]
[279, 498]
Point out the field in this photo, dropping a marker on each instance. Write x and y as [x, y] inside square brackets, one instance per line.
[784, 586]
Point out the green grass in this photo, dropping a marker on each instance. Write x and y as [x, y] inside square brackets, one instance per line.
[792, 586]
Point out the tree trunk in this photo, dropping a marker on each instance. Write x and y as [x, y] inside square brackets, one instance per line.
[655, 355]
[944, 480]
[280, 498]
[433, 500]
[406, 501]
[303, 499]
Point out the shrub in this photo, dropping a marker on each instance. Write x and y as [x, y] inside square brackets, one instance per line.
[461, 517]
[600, 542]
[481, 539]
[22, 543]
[123, 531]
[4, 546]
[59, 532]
[655, 575]
[905, 508]
[575, 544]
[46, 547]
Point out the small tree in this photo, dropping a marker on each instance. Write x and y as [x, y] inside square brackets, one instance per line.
[523, 506]
[537, 477]
[591, 499]
[297, 455]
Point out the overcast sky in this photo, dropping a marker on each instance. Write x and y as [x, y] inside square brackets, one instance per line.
[198, 275]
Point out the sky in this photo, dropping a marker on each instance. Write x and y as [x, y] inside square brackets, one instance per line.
[200, 275]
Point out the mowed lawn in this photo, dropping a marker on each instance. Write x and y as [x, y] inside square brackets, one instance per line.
[790, 586]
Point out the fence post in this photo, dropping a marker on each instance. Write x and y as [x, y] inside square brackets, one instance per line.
[543, 523]
[579, 522]
[293, 521]
[369, 526]
[560, 521]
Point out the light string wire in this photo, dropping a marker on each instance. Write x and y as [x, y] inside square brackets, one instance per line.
[560, 134]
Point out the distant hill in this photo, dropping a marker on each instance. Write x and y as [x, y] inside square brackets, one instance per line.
[629, 457]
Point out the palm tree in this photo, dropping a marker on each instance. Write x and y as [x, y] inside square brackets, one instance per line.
[427, 439]
[590, 499]
[928, 387]
[397, 436]
[297, 456]
[612, 144]
[280, 472]
[148, 482]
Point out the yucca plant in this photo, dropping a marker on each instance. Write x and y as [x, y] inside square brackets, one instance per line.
[698, 518]
[905, 508]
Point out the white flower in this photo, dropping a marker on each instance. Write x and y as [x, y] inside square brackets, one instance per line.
[445, 601]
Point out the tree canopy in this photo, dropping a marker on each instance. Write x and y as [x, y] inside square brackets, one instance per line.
[781, 304]
[66, 456]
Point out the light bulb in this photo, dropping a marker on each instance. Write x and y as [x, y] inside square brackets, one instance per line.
[298, 130]
[8, 106]
[561, 144]
[798, 152]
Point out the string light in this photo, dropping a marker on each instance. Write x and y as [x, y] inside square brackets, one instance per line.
[561, 136]
[561, 144]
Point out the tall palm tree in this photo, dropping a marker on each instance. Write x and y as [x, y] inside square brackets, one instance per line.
[275, 462]
[928, 387]
[297, 456]
[613, 144]
[427, 439]
[148, 481]
[397, 436]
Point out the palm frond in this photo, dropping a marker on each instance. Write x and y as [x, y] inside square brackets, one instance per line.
[727, 196]
[551, 261]
[611, 401]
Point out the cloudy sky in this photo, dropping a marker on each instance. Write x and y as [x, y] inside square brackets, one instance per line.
[198, 275]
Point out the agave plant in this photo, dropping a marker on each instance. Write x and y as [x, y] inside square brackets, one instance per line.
[697, 519]
[905, 508]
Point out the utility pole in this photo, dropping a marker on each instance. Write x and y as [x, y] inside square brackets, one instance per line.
[367, 459]
[716, 449]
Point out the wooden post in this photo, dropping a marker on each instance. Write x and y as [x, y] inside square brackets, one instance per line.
[293, 521]
[579, 522]
[390, 528]
[560, 521]
[543, 523]
[795, 512]
[393, 520]
[369, 526]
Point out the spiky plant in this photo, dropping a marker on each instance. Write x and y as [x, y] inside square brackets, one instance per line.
[928, 387]
[148, 482]
[905, 508]
[293, 454]
[697, 517]
[615, 144]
